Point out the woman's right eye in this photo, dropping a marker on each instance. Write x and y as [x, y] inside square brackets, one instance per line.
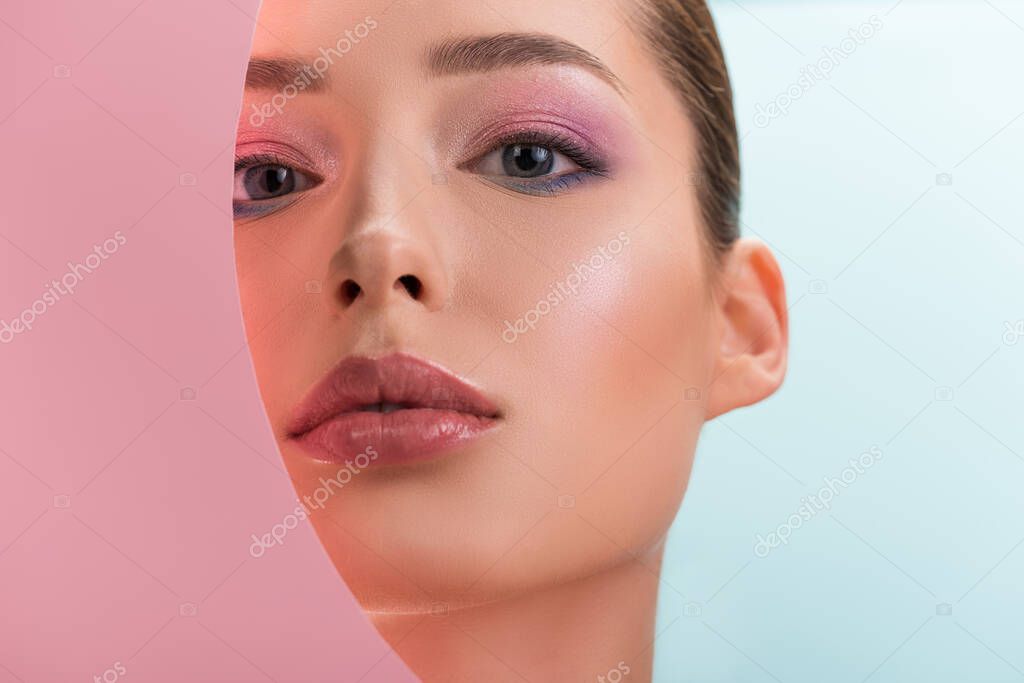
[269, 181]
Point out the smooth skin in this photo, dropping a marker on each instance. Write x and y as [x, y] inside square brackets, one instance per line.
[533, 552]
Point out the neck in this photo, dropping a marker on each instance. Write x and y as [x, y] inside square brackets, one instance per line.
[600, 629]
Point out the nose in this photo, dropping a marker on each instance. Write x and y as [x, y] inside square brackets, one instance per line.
[384, 268]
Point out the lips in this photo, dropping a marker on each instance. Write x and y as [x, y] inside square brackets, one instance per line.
[397, 409]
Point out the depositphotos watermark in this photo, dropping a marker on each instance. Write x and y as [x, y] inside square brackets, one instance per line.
[316, 501]
[616, 674]
[111, 675]
[58, 289]
[560, 291]
[811, 505]
[311, 72]
[1013, 332]
[814, 73]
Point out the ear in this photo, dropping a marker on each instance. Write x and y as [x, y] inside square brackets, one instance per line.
[753, 329]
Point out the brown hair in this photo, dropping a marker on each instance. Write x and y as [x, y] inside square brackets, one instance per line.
[685, 43]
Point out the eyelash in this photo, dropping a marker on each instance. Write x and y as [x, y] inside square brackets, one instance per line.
[591, 165]
[271, 159]
[260, 207]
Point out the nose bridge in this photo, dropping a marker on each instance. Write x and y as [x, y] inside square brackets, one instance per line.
[384, 178]
[388, 253]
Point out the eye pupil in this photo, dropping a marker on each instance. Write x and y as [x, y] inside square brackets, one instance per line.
[267, 182]
[528, 161]
[276, 179]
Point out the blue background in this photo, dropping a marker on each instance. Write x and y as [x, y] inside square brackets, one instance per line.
[900, 286]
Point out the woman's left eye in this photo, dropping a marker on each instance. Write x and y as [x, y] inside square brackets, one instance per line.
[265, 181]
[526, 161]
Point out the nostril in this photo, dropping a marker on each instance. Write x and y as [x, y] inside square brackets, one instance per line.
[350, 291]
[412, 285]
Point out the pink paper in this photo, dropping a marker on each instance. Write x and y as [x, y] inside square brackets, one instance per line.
[136, 465]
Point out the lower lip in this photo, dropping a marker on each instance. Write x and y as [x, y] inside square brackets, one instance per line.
[398, 438]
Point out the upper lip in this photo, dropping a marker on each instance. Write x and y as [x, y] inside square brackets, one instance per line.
[394, 382]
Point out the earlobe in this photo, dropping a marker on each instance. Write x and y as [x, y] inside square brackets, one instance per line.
[752, 331]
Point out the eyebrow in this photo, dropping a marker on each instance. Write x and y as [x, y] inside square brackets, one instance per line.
[503, 50]
[276, 74]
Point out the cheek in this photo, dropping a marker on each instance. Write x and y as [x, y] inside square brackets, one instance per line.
[653, 365]
[613, 376]
[266, 285]
[649, 367]
[275, 297]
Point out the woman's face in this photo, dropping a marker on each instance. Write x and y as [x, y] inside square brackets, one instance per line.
[505, 192]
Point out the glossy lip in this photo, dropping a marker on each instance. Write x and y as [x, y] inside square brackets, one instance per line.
[402, 408]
